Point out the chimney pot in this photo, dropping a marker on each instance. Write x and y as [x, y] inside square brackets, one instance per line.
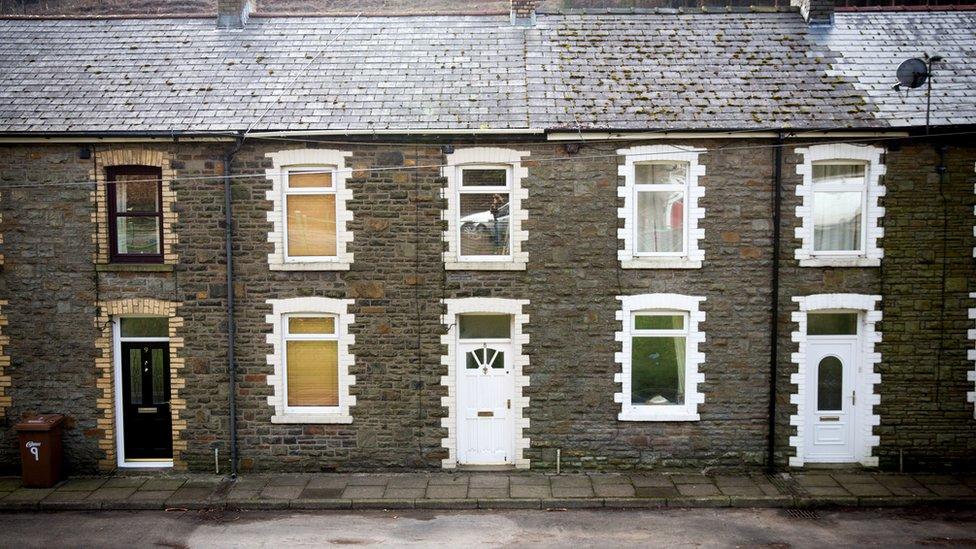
[233, 14]
[523, 12]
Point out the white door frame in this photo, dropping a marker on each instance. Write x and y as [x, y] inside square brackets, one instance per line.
[866, 378]
[117, 340]
[849, 391]
[461, 376]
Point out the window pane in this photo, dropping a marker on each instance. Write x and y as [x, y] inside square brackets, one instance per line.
[305, 179]
[657, 371]
[313, 373]
[158, 383]
[837, 221]
[830, 384]
[485, 326]
[832, 324]
[137, 235]
[311, 325]
[849, 174]
[135, 376]
[484, 224]
[659, 322]
[144, 327]
[660, 221]
[661, 173]
[479, 177]
[134, 194]
[311, 225]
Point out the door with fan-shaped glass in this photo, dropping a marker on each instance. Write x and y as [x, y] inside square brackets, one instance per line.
[486, 386]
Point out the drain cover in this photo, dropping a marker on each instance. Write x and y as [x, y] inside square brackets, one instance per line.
[804, 514]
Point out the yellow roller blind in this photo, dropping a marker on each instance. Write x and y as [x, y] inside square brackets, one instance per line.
[311, 225]
[313, 373]
[299, 179]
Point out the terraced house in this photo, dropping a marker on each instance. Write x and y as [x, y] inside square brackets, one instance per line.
[617, 239]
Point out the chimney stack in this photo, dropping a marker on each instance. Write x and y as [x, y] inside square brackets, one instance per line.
[523, 12]
[816, 12]
[233, 14]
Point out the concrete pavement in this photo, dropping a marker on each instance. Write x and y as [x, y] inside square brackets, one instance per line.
[467, 490]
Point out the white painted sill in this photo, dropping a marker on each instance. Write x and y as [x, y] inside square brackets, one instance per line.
[310, 266]
[312, 418]
[648, 416]
[840, 261]
[660, 263]
[485, 265]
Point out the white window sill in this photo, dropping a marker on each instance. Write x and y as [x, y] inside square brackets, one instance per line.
[484, 265]
[310, 266]
[660, 263]
[840, 261]
[650, 416]
[312, 418]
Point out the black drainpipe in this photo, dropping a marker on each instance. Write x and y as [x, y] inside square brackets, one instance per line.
[774, 302]
[231, 328]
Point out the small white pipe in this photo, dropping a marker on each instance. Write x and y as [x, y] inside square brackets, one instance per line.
[216, 461]
[558, 460]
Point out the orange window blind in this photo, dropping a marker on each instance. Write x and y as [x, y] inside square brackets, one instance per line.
[312, 225]
[313, 373]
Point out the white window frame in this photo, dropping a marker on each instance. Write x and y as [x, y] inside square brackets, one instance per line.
[308, 160]
[305, 307]
[117, 341]
[660, 305]
[867, 379]
[287, 336]
[485, 158]
[872, 190]
[693, 255]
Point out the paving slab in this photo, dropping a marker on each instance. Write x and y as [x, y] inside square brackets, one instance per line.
[190, 494]
[527, 480]
[447, 491]
[610, 479]
[81, 485]
[404, 493]
[656, 491]
[614, 490]
[321, 493]
[742, 491]
[537, 491]
[572, 492]
[125, 482]
[112, 494]
[733, 480]
[815, 480]
[488, 481]
[408, 482]
[651, 480]
[363, 492]
[67, 495]
[236, 495]
[571, 482]
[690, 479]
[698, 490]
[825, 491]
[282, 492]
[163, 484]
[866, 489]
[447, 479]
[368, 480]
[28, 494]
[488, 493]
[330, 481]
[9, 484]
[952, 490]
[289, 480]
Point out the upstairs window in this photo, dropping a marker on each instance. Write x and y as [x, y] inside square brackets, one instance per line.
[135, 214]
[309, 196]
[310, 220]
[485, 211]
[840, 215]
[661, 189]
[660, 212]
[839, 194]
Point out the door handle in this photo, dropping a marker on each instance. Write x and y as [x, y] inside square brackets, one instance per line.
[508, 404]
[146, 410]
[486, 413]
[829, 418]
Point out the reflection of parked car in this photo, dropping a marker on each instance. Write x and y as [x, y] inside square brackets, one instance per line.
[481, 223]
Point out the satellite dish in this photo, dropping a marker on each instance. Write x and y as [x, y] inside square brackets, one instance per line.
[912, 73]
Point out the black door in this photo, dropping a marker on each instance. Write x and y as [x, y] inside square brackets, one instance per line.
[145, 401]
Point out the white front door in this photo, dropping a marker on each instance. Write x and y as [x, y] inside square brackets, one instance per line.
[830, 402]
[486, 386]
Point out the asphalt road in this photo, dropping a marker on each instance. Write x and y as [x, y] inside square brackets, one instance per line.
[774, 528]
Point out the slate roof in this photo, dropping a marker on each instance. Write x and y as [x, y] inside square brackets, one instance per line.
[639, 71]
[868, 47]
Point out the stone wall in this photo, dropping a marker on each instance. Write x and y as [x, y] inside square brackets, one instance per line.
[398, 282]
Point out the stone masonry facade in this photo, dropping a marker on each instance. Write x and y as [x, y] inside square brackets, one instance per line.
[59, 296]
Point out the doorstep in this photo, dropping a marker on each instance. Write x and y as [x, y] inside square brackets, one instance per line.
[491, 490]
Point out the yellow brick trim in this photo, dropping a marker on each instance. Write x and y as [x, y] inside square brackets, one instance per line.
[4, 362]
[99, 197]
[105, 373]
